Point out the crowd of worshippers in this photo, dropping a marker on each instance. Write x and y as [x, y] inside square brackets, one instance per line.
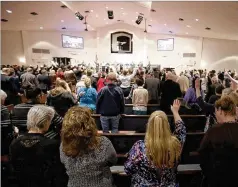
[83, 157]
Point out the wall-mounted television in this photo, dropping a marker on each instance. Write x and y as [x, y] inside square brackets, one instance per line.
[74, 42]
[165, 44]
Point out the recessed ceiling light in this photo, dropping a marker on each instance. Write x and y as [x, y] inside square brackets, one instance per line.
[196, 19]
[106, 22]
[137, 13]
[106, 7]
[121, 8]
[151, 20]
[188, 26]
[9, 11]
[63, 6]
[91, 10]
[104, 19]
[4, 20]
[186, 32]
[132, 20]
[123, 13]
[96, 16]
[41, 28]
[34, 13]
[93, 29]
[62, 21]
[165, 24]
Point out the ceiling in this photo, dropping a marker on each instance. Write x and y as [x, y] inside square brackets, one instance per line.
[221, 17]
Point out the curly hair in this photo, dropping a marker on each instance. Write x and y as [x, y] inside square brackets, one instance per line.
[226, 104]
[79, 132]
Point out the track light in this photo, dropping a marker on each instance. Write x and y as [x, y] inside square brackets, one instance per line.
[79, 16]
[110, 14]
[139, 19]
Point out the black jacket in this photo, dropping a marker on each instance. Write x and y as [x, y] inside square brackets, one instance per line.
[61, 102]
[110, 101]
[218, 155]
[44, 82]
[170, 91]
[36, 162]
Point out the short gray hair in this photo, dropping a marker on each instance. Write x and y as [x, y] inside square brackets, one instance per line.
[38, 116]
[3, 95]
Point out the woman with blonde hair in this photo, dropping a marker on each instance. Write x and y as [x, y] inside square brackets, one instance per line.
[153, 161]
[87, 95]
[86, 155]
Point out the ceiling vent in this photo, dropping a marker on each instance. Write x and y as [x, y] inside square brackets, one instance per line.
[181, 19]
[186, 55]
[152, 10]
[208, 28]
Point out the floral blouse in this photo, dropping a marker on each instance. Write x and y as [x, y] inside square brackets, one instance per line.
[143, 172]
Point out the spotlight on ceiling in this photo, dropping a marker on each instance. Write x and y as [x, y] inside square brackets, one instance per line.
[79, 16]
[110, 14]
[139, 20]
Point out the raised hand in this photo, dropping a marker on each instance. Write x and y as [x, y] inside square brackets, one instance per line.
[176, 106]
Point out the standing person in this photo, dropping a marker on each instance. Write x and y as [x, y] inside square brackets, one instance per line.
[86, 155]
[126, 81]
[100, 83]
[110, 104]
[140, 99]
[87, 95]
[152, 84]
[35, 158]
[29, 80]
[219, 147]
[153, 161]
[8, 86]
[44, 81]
[60, 73]
[170, 92]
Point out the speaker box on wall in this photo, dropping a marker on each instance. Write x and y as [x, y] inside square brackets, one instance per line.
[110, 14]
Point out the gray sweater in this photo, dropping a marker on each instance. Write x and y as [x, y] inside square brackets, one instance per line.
[91, 169]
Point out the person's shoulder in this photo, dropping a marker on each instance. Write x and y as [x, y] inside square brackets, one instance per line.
[104, 141]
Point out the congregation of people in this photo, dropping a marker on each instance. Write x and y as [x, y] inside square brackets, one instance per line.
[64, 98]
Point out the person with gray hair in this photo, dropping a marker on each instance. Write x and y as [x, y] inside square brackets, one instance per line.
[37, 155]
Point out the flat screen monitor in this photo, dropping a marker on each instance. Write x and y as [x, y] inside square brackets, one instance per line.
[74, 42]
[165, 44]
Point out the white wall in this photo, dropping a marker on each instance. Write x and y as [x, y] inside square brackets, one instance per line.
[209, 52]
[12, 47]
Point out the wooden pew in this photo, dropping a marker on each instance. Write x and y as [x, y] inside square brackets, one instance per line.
[124, 140]
[150, 108]
[193, 123]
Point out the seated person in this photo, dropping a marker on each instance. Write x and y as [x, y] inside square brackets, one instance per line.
[86, 155]
[61, 97]
[153, 161]
[219, 147]
[33, 96]
[140, 98]
[87, 95]
[35, 158]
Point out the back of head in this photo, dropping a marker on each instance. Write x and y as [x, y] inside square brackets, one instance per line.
[32, 93]
[111, 77]
[39, 118]
[234, 97]
[214, 80]
[6, 71]
[44, 72]
[79, 132]
[227, 105]
[163, 149]
[29, 70]
[125, 72]
[89, 73]
[139, 82]
[219, 89]
[87, 82]
[60, 83]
